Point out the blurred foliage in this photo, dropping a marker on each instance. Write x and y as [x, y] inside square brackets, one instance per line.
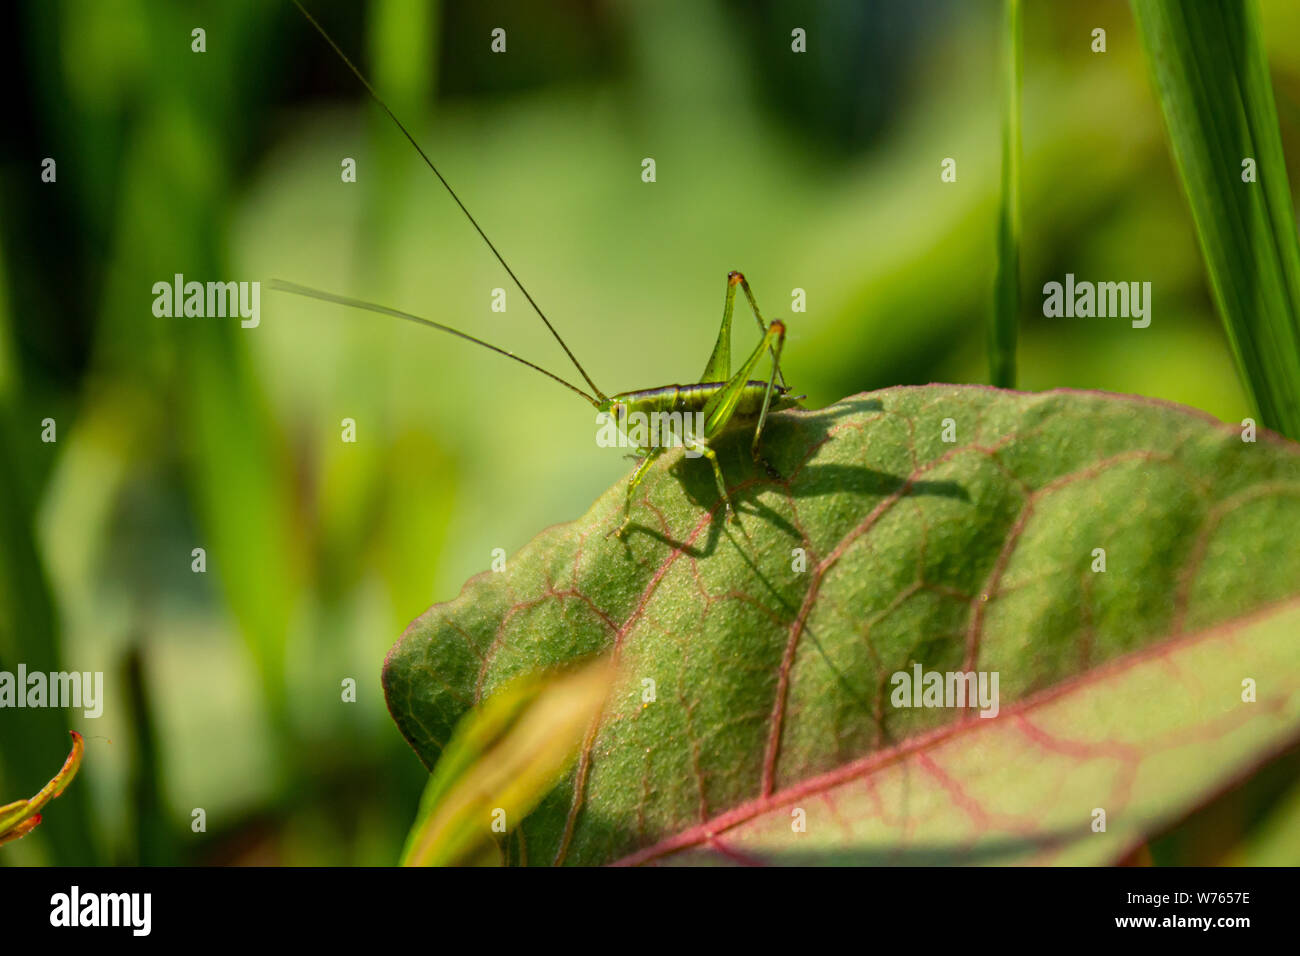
[817, 171]
[1208, 64]
[504, 757]
[1005, 320]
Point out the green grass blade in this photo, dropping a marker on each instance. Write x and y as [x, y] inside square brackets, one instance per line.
[1212, 80]
[1006, 288]
[504, 757]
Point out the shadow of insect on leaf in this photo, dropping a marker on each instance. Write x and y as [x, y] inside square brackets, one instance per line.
[791, 444]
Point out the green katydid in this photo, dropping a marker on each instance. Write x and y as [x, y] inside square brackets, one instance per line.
[723, 401]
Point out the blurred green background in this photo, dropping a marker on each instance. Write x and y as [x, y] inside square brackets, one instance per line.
[817, 171]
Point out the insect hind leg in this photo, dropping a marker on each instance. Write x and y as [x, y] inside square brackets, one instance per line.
[738, 278]
[777, 345]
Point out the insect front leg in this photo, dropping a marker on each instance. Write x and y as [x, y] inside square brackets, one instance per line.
[651, 455]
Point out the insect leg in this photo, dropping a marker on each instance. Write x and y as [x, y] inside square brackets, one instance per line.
[710, 454]
[718, 368]
[739, 278]
[652, 454]
[767, 398]
[719, 409]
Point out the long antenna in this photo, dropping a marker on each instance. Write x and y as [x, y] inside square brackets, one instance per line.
[283, 286]
[473, 222]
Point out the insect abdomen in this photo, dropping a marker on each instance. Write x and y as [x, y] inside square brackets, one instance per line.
[693, 398]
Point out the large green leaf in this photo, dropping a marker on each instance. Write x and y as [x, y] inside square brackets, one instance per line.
[771, 642]
[1139, 739]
